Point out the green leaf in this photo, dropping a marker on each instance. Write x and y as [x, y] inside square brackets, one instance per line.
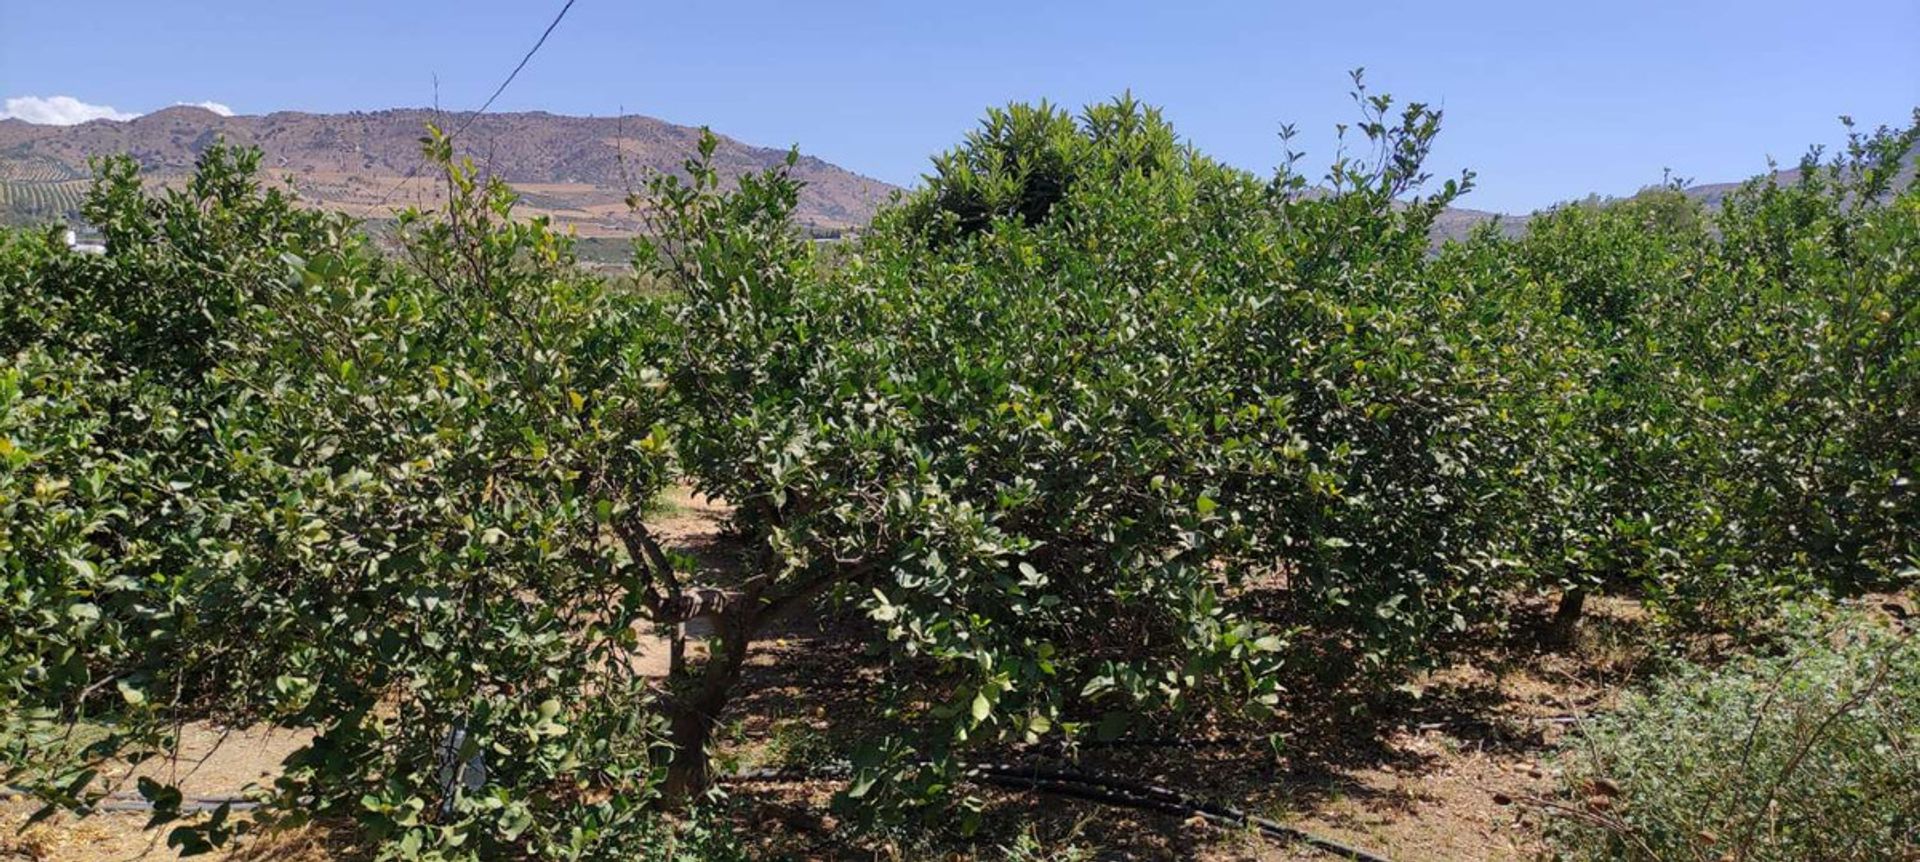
[82, 568]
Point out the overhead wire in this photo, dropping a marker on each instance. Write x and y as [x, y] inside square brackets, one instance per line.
[504, 83]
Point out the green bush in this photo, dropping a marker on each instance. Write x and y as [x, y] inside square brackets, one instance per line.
[1026, 159]
[265, 473]
[1124, 457]
[113, 485]
[1740, 417]
[1806, 340]
[433, 458]
[1615, 473]
[1811, 754]
[84, 532]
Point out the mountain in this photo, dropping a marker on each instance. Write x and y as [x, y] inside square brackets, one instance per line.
[577, 170]
[1457, 223]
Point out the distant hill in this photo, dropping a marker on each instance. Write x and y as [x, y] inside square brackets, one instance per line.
[576, 169]
[1456, 224]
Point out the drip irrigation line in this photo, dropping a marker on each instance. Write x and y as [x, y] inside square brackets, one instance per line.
[1102, 789]
[1057, 746]
[1137, 794]
[1471, 721]
[786, 776]
[197, 805]
[1095, 788]
[1166, 742]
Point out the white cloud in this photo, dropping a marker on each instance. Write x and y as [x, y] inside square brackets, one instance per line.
[69, 111]
[215, 107]
[59, 111]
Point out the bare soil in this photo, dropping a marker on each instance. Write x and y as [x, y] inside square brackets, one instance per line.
[1436, 771]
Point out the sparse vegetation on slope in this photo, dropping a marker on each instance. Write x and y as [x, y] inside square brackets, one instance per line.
[577, 170]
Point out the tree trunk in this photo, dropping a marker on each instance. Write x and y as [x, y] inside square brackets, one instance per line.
[1566, 617]
[696, 709]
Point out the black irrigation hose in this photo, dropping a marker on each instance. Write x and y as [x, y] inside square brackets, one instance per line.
[1166, 742]
[1230, 741]
[1064, 781]
[1102, 789]
[786, 776]
[196, 805]
[1079, 785]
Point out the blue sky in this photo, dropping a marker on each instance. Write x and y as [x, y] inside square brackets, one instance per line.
[1546, 100]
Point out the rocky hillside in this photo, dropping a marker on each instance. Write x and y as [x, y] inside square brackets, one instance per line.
[576, 169]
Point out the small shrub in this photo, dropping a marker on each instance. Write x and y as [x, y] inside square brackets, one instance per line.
[1812, 754]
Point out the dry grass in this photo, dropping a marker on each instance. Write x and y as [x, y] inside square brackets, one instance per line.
[119, 836]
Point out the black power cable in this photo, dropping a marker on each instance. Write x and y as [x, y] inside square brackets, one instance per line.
[524, 59]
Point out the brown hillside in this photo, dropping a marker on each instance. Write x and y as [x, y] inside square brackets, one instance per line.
[575, 169]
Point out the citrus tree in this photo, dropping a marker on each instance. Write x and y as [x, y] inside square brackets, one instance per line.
[1097, 430]
[391, 501]
[1735, 420]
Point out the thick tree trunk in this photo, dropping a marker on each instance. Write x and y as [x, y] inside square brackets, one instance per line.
[696, 706]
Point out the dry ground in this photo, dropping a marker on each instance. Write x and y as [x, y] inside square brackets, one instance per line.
[1428, 773]
[209, 761]
[1431, 773]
